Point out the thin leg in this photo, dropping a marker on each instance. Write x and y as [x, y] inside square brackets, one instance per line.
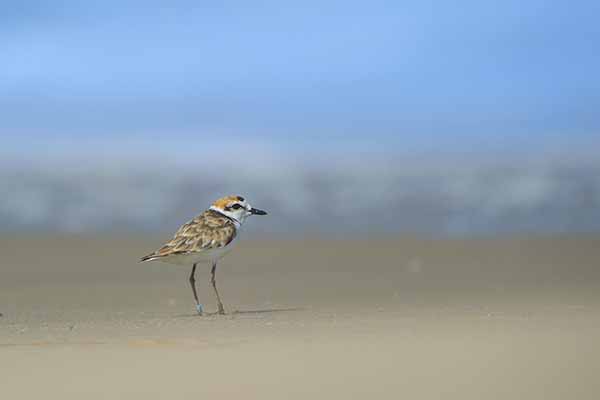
[193, 285]
[213, 281]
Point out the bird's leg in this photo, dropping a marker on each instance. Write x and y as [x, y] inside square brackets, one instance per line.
[213, 282]
[193, 285]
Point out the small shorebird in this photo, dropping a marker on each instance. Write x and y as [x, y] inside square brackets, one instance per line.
[206, 239]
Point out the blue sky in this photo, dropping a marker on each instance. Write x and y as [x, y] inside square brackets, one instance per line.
[312, 74]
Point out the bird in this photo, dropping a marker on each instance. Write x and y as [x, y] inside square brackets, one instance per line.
[206, 239]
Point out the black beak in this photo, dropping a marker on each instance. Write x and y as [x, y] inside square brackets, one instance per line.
[256, 211]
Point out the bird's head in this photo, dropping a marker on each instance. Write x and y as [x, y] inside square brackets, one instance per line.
[235, 207]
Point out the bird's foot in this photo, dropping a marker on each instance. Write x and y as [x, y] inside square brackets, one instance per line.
[199, 309]
[221, 310]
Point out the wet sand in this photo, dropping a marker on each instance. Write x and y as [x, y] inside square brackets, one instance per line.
[395, 318]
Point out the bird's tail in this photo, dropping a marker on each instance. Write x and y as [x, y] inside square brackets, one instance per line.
[149, 257]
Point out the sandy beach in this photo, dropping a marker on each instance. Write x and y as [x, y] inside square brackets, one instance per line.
[391, 317]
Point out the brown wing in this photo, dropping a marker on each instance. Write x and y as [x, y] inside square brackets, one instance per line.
[209, 230]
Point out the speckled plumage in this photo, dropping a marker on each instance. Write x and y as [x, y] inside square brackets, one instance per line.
[208, 231]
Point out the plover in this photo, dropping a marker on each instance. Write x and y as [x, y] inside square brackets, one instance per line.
[206, 239]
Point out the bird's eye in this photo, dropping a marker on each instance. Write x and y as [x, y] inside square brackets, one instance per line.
[236, 206]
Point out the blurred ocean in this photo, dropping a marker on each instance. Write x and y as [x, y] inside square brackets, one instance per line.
[332, 196]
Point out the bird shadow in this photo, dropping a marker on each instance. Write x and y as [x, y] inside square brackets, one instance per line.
[244, 312]
[267, 310]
